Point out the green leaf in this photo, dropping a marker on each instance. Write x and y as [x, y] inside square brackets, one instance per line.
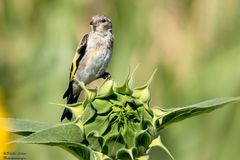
[102, 106]
[88, 113]
[158, 143]
[145, 157]
[55, 135]
[116, 102]
[143, 113]
[128, 133]
[113, 130]
[95, 141]
[106, 89]
[112, 117]
[67, 136]
[98, 123]
[124, 88]
[134, 101]
[143, 93]
[77, 109]
[147, 125]
[22, 127]
[90, 93]
[167, 117]
[80, 151]
[113, 144]
[101, 156]
[142, 141]
[126, 154]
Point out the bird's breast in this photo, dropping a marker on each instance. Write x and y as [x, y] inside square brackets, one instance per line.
[93, 64]
[96, 58]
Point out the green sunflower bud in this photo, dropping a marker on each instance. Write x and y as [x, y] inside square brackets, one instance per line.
[115, 124]
[118, 121]
[106, 89]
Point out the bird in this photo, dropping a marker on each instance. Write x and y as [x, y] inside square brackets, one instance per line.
[91, 59]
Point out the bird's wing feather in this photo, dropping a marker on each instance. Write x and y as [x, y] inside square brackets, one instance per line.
[78, 56]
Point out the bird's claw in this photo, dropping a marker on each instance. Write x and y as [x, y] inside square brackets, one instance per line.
[106, 75]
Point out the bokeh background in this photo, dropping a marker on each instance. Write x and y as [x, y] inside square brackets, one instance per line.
[194, 43]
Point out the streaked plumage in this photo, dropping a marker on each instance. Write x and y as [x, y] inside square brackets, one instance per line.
[91, 59]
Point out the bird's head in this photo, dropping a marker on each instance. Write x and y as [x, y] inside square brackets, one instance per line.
[101, 23]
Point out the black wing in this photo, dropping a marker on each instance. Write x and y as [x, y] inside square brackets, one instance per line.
[78, 56]
[71, 98]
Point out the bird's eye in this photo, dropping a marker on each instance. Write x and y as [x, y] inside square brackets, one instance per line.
[103, 20]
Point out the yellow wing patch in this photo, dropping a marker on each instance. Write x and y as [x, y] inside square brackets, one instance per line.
[83, 64]
[74, 66]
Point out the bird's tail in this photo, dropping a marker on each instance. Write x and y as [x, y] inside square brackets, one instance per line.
[71, 98]
[67, 113]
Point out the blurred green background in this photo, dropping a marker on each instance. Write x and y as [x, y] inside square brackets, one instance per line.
[194, 43]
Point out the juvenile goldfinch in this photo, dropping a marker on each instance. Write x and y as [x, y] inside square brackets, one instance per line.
[91, 59]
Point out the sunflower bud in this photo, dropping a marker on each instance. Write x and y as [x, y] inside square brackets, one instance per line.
[118, 120]
[112, 123]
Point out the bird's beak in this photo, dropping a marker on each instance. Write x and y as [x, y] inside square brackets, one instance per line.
[91, 23]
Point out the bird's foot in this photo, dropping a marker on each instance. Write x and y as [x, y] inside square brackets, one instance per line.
[105, 75]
